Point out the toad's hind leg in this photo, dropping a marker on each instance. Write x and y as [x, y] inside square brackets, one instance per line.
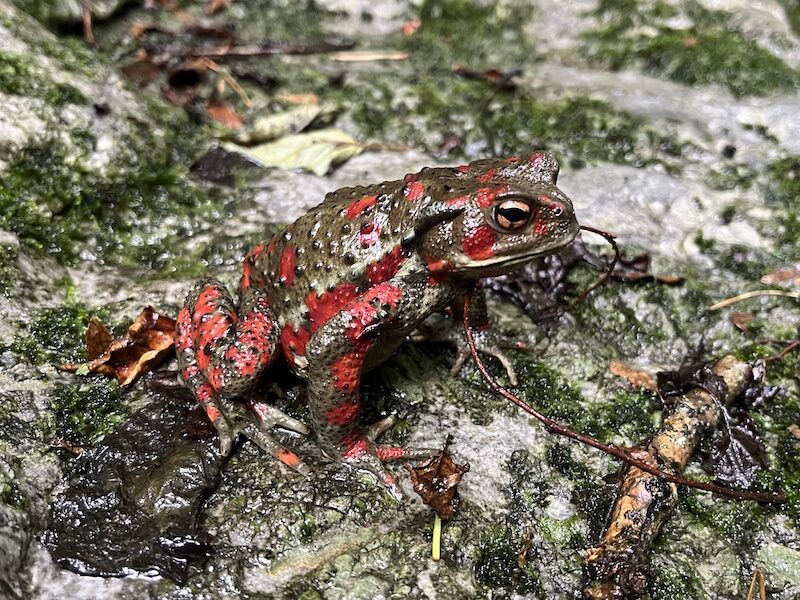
[222, 352]
[336, 356]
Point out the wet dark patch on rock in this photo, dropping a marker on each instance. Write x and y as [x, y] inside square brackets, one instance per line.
[133, 501]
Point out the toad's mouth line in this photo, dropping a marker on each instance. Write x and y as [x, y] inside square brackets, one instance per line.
[518, 260]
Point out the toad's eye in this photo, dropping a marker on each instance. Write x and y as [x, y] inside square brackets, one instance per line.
[512, 215]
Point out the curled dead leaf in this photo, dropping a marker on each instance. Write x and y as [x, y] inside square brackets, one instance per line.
[215, 6]
[505, 80]
[741, 320]
[148, 342]
[436, 481]
[97, 338]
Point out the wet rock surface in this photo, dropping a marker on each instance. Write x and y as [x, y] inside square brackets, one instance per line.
[691, 161]
[133, 501]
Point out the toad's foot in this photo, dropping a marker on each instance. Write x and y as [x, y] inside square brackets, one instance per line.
[254, 420]
[486, 341]
[361, 452]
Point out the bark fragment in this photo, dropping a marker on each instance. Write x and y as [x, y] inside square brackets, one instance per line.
[616, 567]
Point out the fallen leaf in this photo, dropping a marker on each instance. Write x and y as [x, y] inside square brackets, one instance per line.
[638, 379]
[219, 165]
[789, 275]
[741, 320]
[738, 454]
[436, 481]
[315, 151]
[271, 127]
[183, 82]
[138, 29]
[215, 6]
[141, 72]
[97, 338]
[758, 395]
[68, 446]
[693, 373]
[411, 27]
[225, 114]
[148, 342]
[527, 544]
[540, 286]
[505, 80]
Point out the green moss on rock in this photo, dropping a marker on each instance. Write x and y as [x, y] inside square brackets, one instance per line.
[710, 51]
[135, 214]
[20, 77]
[502, 124]
[792, 8]
[9, 249]
[496, 563]
[474, 34]
[783, 192]
[84, 412]
[53, 335]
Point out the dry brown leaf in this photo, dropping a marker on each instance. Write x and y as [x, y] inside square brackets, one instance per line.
[138, 29]
[215, 6]
[223, 113]
[68, 446]
[436, 481]
[142, 71]
[506, 80]
[183, 82]
[639, 379]
[149, 341]
[794, 429]
[97, 338]
[411, 27]
[789, 275]
[741, 320]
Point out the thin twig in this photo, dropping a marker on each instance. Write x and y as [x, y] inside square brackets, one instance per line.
[609, 271]
[794, 345]
[86, 14]
[753, 294]
[212, 66]
[602, 280]
[555, 427]
[271, 48]
[762, 586]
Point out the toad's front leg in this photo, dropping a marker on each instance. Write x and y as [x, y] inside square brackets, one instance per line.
[336, 356]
